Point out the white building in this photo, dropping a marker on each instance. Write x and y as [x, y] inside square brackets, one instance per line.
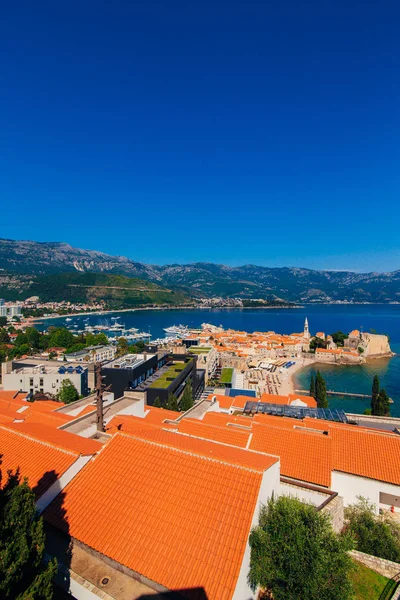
[44, 378]
[93, 354]
[207, 359]
[9, 310]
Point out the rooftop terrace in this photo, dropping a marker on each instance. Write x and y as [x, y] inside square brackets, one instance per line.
[168, 374]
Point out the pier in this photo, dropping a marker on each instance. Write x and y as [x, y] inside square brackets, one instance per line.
[333, 393]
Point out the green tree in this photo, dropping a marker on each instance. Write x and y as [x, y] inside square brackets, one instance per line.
[172, 402]
[378, 535]
[312, 386]
[295, 554]
[101, 339]
[3, 355]
[317, 342]
[383, 404]
[24, 349]
[33, 337]
[4, 337]
[122, 346]
[21, 340]
[61, 338]
[320, 391]
[360, 350]
[157, 402]
[23, 574]
[187, 397]
[339, 337]
[375, 394]
[3, 321]
[68, 392]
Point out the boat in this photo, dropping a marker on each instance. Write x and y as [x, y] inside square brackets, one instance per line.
[177, 330]
[68, 319]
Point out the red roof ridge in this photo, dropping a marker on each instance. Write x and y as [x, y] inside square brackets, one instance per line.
[191, 453]
[35, 439]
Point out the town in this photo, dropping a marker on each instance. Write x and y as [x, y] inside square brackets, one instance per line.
[204, 421]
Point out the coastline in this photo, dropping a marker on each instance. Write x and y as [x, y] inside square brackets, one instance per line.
[142, 308]
[288, 384]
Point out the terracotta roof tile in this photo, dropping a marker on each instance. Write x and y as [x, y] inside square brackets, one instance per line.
[367, 454]
[158, 415]
[40, 462]
[309, 400]
[250, 459]
[222, 419]
[274, 399]
[226, 435]
[206, 508]
[304, 456]
[58, 437]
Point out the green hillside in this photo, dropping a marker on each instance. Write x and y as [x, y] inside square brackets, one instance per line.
[117, 291]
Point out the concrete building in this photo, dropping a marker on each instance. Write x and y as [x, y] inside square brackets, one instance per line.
[9, 310]
[207, 359]
[131, 370]
[45, 378]
[172, 378]
[93, 354]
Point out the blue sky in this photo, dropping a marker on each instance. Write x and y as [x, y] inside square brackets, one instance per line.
[232, 132]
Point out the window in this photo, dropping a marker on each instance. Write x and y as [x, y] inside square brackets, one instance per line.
[389, 499]
[41, 381]
[31, 381]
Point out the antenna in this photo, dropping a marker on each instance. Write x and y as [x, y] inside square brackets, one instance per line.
[100, 388]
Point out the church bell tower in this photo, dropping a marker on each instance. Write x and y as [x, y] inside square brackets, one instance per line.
[306, 330]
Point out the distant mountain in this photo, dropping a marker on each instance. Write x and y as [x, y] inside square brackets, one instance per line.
[205, 279]
[44, 258]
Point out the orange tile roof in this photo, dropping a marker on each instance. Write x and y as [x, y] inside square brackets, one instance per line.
[240, 401]
[274, 399]
[250, 459]
[52, 419]
[191, 530]
[367, 454]
[40, 462]
[158, 415]
[304, 456]
[226, 435]
[285, 422]
[224, 402]
[221, 419]
[58, 437]
[309, 400]
[130, 424]
[8, 394]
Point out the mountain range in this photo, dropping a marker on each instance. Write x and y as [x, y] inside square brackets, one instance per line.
[19, 259]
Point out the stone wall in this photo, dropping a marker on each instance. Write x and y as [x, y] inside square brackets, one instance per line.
[335, 510]
[387, 568]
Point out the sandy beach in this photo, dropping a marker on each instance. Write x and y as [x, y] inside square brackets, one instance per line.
[287, 377]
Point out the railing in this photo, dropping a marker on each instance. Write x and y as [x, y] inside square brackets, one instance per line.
[390, 588]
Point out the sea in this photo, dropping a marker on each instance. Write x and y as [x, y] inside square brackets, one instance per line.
[322, 317]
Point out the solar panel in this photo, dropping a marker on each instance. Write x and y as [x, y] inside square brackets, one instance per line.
[296, 412]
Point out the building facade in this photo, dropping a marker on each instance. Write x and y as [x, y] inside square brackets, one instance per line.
[93, 354]
[44, 378]
[130, 371]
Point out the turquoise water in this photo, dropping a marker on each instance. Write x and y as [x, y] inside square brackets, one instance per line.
[327, 318]
[358, 379]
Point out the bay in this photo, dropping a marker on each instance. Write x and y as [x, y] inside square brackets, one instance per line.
[327, 318]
